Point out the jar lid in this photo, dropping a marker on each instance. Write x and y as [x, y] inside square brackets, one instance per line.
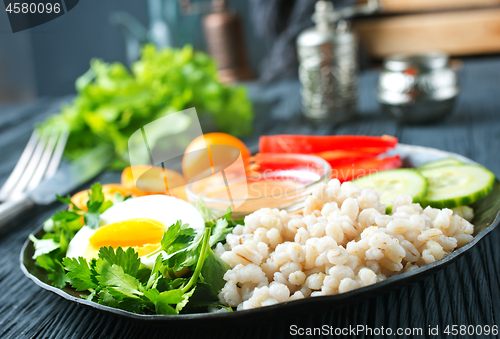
[431, 60]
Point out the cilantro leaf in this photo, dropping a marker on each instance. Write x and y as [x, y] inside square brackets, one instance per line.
[80, 274]
[128, 260]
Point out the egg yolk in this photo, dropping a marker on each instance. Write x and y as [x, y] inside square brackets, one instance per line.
[139, 233]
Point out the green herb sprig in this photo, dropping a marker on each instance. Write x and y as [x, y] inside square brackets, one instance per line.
[62, 227]
[186, 277]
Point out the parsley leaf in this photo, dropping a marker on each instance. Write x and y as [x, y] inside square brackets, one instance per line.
[65, 216]
[185, 297]
[60, 229]
[120, 198]
[96, 205]
[163, 300]
[177, 237]
[220, 227]
[96, 197]
[105, 298]
[92, 220]
[135, 305]
[213, 271]
[156, 273]
[67, 200]
[179, 242]
[128, 260]
[220, 231]
[118, 279]
[81, 275]
[54, 268]
[117, 282]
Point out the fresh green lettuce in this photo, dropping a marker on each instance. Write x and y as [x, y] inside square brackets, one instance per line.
[113, 102]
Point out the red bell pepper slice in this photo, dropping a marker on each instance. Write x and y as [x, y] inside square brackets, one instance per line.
[262, 164]
[343, 172]
[364, 167]
[307, 144]
[339, 157]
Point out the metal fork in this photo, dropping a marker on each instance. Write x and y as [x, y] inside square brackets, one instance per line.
[40, 159]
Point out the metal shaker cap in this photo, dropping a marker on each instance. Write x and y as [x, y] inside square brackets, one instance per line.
[430, 61]
[323, 15]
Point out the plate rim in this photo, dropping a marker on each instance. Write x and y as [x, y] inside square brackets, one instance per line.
[403, 278]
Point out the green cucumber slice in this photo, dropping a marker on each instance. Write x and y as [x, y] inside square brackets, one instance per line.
[441, 163]
[394, 182]
[452, 186]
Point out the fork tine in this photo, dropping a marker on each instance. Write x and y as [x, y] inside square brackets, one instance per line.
[44, 161]
[32, 165]
[56, 157]
[20, 166]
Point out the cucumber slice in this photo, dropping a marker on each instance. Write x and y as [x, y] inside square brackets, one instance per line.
[441, 163]
[453, 186]
[394, 182]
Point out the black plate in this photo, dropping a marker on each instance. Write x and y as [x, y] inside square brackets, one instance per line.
[486, 219]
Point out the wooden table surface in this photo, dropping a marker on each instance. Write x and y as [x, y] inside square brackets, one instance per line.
[465, 293]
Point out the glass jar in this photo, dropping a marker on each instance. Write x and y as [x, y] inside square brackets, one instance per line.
[417, 88]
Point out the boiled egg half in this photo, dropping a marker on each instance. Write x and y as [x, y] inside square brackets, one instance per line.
[138, 223]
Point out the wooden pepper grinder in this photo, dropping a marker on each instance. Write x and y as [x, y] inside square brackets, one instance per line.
[226, 43]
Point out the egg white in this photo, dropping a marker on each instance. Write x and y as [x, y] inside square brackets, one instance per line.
[162, 208]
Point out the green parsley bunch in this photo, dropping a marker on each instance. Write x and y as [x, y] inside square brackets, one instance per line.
[186, 277]
[113, 101]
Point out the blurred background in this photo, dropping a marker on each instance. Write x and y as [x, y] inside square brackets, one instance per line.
[46, 60]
